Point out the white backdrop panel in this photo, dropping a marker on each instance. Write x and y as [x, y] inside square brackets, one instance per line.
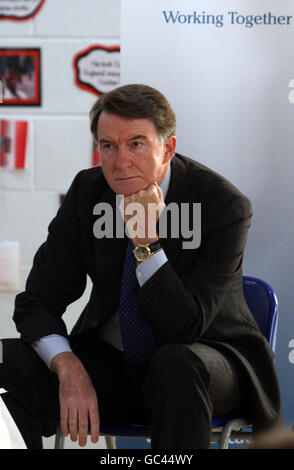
[229, 77]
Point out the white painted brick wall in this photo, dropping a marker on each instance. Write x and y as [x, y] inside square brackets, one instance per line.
[70, 157]
[79, 18]
[59, 137]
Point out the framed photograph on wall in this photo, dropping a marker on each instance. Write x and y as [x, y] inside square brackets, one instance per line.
[20, 77]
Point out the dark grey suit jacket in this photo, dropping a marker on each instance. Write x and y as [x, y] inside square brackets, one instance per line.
[197, 296]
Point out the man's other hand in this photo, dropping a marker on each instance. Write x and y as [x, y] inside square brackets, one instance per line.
[77, 398]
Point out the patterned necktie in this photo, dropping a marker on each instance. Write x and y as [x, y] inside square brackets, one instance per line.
[137, 337]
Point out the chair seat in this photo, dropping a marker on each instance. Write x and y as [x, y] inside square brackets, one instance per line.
[141, 430]
[125, 429]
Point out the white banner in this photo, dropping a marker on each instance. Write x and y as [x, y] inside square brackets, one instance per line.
[227, 69]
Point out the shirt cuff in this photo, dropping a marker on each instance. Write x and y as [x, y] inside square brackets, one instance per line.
[147, 268]
[49, 346]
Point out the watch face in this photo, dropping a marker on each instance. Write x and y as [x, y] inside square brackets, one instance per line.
[142, 252]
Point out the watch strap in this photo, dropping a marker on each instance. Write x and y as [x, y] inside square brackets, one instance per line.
[154, 246]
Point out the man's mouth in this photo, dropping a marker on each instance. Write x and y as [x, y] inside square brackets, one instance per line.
[126, 178]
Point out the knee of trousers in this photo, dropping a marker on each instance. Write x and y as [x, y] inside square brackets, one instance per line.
[178, 363]
[21, 357]
[22, 371]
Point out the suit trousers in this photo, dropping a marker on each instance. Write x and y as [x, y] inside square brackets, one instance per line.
[177, 393]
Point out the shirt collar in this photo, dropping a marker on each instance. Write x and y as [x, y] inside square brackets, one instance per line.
[164, 185]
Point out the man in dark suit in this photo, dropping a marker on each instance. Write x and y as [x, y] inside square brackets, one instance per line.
[179, 344]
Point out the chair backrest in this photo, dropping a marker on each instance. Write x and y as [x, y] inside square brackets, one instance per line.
[263, 304]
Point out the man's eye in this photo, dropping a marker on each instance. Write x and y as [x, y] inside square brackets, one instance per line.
[106, 146]
[137, 144]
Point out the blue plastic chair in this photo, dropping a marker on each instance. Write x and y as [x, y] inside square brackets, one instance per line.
[263, 303]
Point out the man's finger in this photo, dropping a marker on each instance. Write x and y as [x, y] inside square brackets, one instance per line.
[64, 420]
[83, 426]
[73, 423]
[94, 424]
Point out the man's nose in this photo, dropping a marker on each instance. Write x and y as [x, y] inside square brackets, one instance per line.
[123, 159]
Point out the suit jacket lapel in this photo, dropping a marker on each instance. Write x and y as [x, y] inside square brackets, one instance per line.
[109, 252]
[177, 193]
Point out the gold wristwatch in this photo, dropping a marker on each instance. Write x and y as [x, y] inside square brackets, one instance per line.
[143, 252]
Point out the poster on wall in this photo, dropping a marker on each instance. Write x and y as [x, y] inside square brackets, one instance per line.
[20, 77]
[13, 143]
[19, 10]
[96, 161]
[97, 69]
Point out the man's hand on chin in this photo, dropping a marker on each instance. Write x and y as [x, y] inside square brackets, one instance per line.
[141, 212]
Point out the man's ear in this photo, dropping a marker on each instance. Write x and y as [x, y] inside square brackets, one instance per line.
[170, 147]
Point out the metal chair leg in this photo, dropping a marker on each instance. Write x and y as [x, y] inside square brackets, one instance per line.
[59, 439]
[228, 430]
[110, 442]
[225, 437]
